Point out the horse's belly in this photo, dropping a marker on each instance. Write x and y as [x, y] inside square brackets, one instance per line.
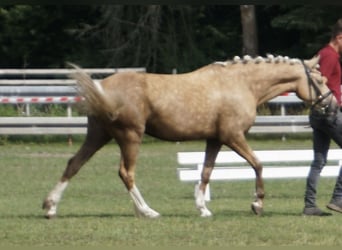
[180, 131]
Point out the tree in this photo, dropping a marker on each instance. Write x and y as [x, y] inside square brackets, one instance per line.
[161, 38]
[295, 30]
[249, 30]
[158, 37]
[40, 36]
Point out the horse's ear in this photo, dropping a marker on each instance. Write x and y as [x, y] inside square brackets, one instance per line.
[313, 62]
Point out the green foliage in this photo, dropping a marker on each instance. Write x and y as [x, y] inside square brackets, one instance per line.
[40, 139]
[158, 37]
[38, 36]
[296, 31]
[38, 110]
[8, 110]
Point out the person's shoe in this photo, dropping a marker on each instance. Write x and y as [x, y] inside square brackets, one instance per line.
[335, 205]
[314, 211]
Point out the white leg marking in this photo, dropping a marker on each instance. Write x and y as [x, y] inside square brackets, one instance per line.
[141, 208]
[257, 206]
[258, 203]
[54, 197]
[200, 202]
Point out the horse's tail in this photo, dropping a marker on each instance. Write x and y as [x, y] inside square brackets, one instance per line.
[97, 101]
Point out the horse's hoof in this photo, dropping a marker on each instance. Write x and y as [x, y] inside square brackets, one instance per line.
[50, 216]
[146, 213]
[152, 214]
[257, 209]
[206, 214]
[50, 209]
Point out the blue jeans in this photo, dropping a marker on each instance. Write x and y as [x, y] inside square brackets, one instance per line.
[326, 127]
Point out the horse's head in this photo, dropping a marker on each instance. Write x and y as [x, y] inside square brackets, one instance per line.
[314, 89]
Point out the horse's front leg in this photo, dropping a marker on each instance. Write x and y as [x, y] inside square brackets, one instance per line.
[257, 205]
[129, 151]
[240, 146]
[212, 149]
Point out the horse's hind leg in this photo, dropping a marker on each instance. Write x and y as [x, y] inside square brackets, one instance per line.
[95, 139]
[212, 149]
[129, 143]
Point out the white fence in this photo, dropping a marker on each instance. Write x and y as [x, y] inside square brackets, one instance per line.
[43, 86]
[33, 86]
[278, 164]
[43, 125]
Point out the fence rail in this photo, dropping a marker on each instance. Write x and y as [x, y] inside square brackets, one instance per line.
[28, 73]
[43, 125]
[44, 86]
[78, 125]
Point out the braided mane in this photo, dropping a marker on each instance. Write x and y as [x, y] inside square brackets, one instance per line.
[269, 59]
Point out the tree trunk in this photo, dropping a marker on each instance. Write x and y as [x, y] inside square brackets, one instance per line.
[249, 30]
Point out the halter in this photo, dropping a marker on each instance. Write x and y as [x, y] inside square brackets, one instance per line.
[320, 96]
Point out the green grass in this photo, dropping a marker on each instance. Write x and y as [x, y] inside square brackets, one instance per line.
[96, 209]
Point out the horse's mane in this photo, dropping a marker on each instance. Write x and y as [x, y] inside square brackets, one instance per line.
[269, 59]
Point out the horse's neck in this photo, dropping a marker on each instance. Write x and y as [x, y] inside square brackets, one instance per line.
[273, 91]
[271, 80]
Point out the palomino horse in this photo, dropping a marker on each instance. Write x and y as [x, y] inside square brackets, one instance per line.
[216, 102]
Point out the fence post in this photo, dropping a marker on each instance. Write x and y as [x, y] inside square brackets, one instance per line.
[69, 114]
[27, 109]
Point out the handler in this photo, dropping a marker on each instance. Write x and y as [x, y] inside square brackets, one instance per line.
[326, 125]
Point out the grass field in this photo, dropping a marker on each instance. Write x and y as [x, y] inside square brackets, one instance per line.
[96, 209]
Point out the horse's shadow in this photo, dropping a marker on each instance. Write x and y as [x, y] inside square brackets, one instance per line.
[226, 213]
[266, 214]
[66, 216]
